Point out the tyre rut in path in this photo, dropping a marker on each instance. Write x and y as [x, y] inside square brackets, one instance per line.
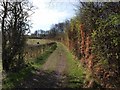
[52, 74]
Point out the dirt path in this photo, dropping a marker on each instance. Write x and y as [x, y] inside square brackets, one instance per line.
[57, 62]
[52, 74]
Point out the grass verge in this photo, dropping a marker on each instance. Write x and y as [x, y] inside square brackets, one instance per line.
[14, 79]
[75, 70]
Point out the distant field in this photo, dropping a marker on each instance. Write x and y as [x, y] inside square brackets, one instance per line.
[34, 41]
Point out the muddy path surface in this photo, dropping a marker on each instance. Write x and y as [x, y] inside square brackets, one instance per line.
[52, 74]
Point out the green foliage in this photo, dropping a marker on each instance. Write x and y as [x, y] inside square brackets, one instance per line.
[106, 39]
[101, 21]
[13, 79]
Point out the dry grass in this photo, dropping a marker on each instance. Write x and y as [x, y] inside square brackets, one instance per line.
[41, 41]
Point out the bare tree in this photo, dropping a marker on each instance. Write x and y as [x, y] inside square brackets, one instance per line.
[14, 25]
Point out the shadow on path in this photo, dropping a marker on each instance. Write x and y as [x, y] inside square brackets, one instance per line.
[43, 79]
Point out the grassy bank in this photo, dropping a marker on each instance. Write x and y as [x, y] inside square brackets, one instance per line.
[39, 61]
[13, 79]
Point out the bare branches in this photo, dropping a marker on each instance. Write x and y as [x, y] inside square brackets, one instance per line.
[14, 26]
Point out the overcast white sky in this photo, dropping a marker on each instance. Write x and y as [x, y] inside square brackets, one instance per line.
[49, 12]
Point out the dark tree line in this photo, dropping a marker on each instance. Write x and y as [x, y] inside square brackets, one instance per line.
[56, 32]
